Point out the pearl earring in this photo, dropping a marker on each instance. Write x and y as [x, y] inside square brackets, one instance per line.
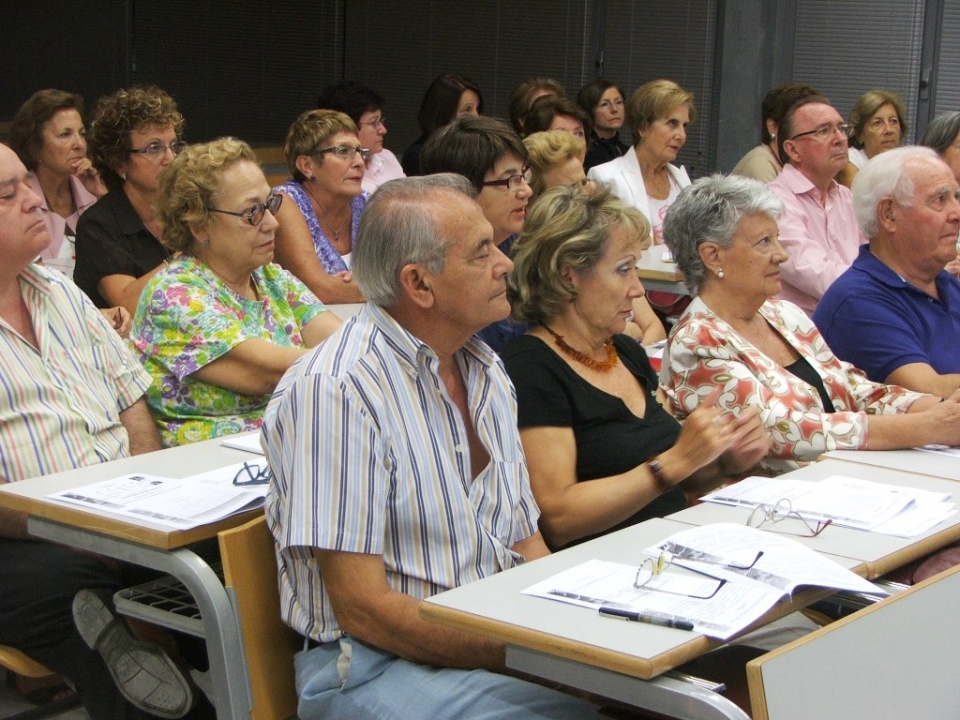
[720, 274]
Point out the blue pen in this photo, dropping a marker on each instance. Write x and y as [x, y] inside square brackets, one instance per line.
[661, 619]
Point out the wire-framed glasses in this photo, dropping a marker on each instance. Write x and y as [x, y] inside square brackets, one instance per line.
[512, 182]
[254, 214]
[155, 149]
[345, 152]
[653, 567]
[781, 510]
[252, 474]
[825, 131]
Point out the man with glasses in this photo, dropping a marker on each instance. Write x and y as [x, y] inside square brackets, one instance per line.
[818, 228]
[398, 473]
[895, 313]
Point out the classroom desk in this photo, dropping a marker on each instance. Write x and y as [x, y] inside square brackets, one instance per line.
[659, 275]
[152, 546]
[569, 644]
[913, 461]
[874, 554]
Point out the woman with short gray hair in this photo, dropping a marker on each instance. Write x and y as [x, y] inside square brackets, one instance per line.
[943, 135]
[766, 354]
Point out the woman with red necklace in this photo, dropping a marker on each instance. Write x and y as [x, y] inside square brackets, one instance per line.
[603, 452]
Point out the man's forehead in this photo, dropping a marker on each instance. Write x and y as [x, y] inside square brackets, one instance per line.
[817, 113]
[11, 169]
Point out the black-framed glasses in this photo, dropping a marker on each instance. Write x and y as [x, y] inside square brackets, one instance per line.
[375, 123]
[345, 152]
[780, 511]
[652, 567]
[825, 131]
[512, 182]
[254, 214]
[157, 149]
[252, 474]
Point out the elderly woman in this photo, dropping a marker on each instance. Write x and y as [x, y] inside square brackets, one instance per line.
[602, 451]
[219, 326]
[879, 123]
[318, 226]
[557, 113]
[943, 135]
[135, 134]
[602, 100]
[365, 108]
[448, 98]
[526, 92]
[556, 157]
[768, 355]
[48, 135]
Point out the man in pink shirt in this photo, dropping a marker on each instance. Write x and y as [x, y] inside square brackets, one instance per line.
[818, 228]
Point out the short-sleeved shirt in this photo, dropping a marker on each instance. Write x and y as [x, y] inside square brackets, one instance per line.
[877, 321]
[331, 260]
[60, 404]
[187, 319]
[112, 240]
[370, 455]
[609, 438]
[759, 164]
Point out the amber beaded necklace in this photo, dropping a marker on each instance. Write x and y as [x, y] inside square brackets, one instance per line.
[584, 359]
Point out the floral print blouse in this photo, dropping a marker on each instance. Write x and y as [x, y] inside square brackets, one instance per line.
[704, 352]
[187, 318]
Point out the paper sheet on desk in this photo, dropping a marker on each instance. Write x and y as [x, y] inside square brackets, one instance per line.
[943, 450]
[177, 503]
[248, 443]
[784, 566]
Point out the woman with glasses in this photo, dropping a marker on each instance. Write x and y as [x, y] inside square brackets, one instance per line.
[767, 355]
[134, 135]
[603, 101]
[220, 325]
[319, 224]
[879, 123]
[365, 108]
[602, 451]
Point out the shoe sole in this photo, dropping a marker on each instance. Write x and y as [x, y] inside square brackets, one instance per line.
[143, 672]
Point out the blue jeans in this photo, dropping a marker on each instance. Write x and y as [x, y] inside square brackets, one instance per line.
[381, 686]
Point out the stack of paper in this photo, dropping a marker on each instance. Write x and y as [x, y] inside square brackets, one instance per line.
[249, 442]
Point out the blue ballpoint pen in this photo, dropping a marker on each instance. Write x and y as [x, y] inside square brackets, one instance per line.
[660, 619]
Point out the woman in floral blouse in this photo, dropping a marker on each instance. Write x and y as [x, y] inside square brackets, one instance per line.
[219, 326]
[767, 354]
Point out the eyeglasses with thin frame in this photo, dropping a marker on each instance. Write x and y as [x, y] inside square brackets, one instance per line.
[345, 152]
[651, 568]
[254, 214]
[252, 474]
[156, 150]
[512, 182]
[826, 131]
[376, 123]
[780, 511]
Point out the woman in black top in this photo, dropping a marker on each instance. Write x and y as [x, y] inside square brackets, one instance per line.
[602, 100]
[603, 452]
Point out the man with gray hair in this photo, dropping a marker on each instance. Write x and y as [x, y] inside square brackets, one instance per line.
[398, 473]
[896, 313]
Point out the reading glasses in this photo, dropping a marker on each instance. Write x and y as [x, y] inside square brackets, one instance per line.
[780, 511]
[652, 567]
[254, 214]
[252, 474]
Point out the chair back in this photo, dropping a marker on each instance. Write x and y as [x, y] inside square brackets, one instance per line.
[250, 570]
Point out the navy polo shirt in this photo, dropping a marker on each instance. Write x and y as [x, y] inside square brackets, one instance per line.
[877, 321]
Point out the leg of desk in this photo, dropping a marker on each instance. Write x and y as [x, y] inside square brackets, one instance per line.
[228, 672]
[665, 695]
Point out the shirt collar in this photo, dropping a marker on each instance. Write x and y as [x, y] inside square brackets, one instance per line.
[800, 184]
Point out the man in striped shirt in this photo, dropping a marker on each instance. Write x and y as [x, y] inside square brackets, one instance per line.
[71, 394]
[398, 473]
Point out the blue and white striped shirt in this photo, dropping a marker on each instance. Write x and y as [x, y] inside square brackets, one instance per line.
[370, 455]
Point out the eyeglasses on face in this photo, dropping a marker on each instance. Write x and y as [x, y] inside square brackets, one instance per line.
[376, 123]
[252, 474]
[345, 152]
[826, 131]
[780, 511]
[157, 149]
[512, 182]
[651, 568]
[254, 214]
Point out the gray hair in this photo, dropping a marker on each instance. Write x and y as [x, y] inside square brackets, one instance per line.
[399, 226]
[710, 211]
[941, 132]
[885, 176]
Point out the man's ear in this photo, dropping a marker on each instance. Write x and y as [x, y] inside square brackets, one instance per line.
[887, 214]
[416, 284]
[790, 148]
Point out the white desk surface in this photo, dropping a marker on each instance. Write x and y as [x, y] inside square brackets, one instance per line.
[659, 275]
[29, 495]
[874, 554]
[913, 461]
[495, 607]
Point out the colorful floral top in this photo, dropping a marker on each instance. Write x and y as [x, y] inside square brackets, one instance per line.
[704, 352]
[331, 260]
[187, 318]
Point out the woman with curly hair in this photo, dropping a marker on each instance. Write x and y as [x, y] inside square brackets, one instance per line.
[220, 325]
[134, 135]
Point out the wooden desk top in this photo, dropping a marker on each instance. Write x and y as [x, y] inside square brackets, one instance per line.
[873, 553]
[651, 266]
[29, 495]
[494, 607]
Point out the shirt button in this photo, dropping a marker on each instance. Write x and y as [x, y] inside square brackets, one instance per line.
[458, 448]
